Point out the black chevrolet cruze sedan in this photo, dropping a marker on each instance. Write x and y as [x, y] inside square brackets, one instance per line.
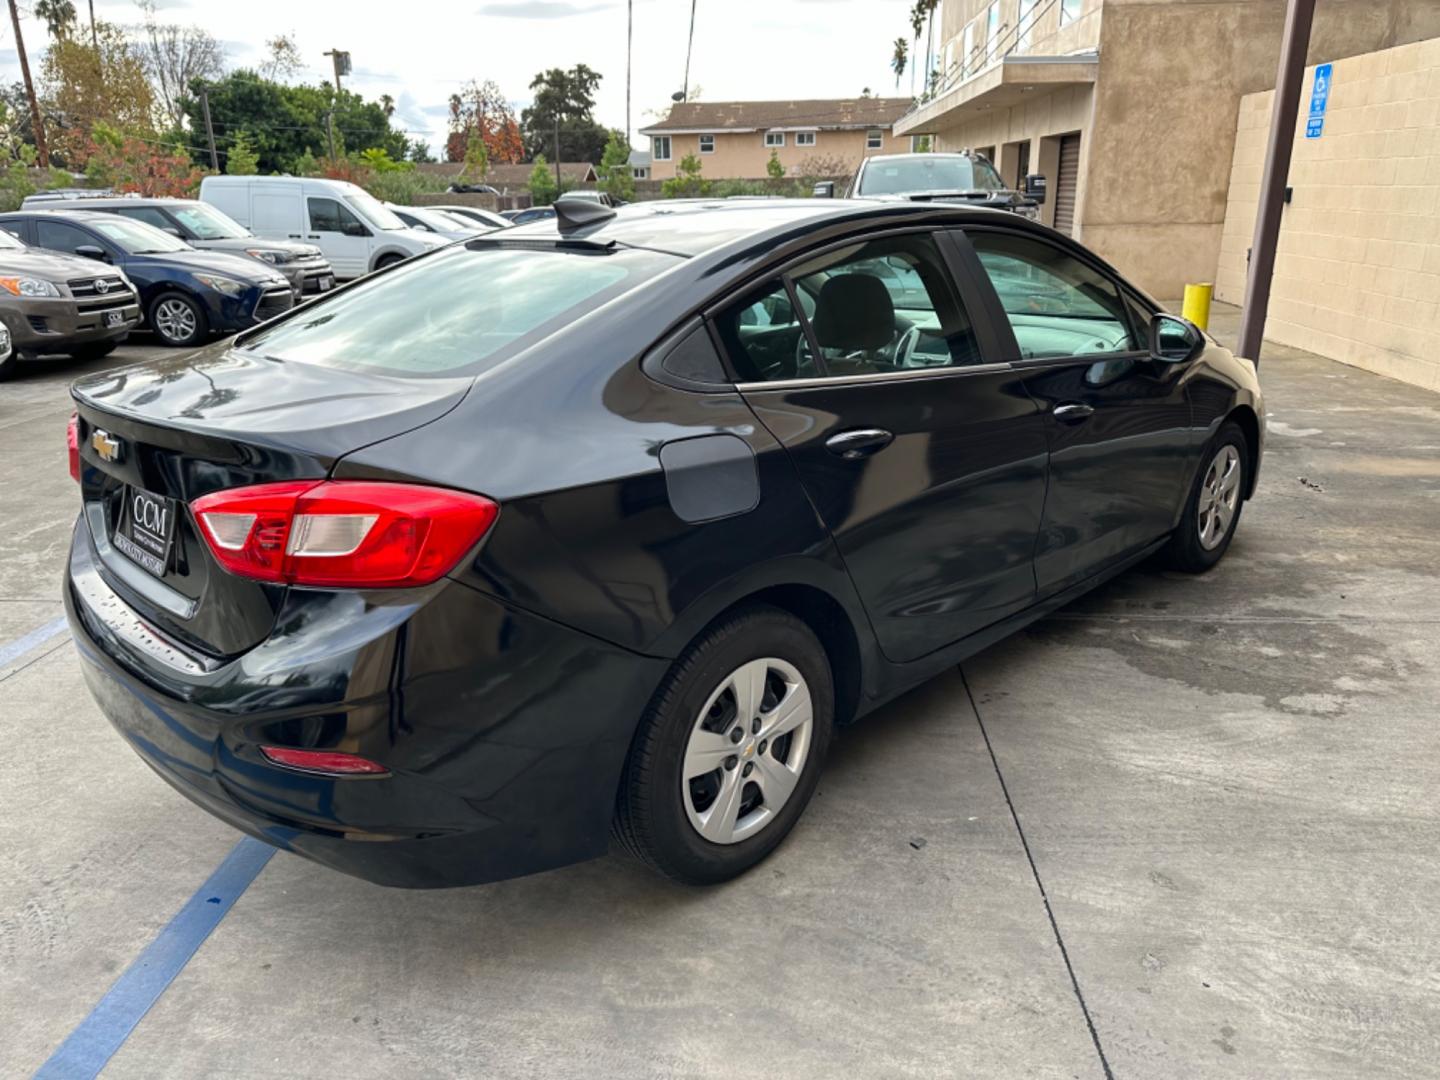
[599, 527]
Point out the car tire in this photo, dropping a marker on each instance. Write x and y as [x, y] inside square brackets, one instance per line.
[388, 260]
[678, 824]
[178, 321]
[95, 351]
[1212, 509]
[10, 366]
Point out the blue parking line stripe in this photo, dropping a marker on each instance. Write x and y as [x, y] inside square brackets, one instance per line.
[37, 637]
[86, 1050]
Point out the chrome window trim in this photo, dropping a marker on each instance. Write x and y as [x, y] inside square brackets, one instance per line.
[949, 371]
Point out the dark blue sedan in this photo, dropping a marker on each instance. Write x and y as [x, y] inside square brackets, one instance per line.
[186, 295]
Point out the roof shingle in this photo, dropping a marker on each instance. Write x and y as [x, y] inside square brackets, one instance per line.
[762, 115]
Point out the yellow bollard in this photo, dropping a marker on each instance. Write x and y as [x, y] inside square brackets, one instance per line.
[1197, 304]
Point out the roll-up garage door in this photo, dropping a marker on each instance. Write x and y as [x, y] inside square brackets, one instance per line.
[1066, 183]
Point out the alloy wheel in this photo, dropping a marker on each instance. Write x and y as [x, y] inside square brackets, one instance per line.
[1219, 497]
[175, 320]
[747, 750]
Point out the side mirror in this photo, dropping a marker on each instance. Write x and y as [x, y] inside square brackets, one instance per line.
[824, 189]
[90, 251]
[1174, 340]
[1035, 187]
[354, 228]
[174, 232]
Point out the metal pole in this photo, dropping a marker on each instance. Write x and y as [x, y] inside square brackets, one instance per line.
[1294, 42]
[209, 130]
[330, 124]
[41, 150]
[689, 45]
[629, 37]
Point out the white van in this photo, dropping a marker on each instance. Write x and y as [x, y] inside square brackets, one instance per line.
[353, 228]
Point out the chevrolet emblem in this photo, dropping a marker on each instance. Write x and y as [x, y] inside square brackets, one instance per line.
[106, 445]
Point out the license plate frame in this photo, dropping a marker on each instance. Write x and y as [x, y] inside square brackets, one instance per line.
[326, 284]
[145, 533]
[113, 318]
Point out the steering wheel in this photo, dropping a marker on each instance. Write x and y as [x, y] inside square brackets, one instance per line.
[1103, 345]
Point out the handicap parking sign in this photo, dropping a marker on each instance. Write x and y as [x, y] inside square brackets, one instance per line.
[1319, 98]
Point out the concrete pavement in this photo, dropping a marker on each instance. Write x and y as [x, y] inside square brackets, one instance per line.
[1184, 827]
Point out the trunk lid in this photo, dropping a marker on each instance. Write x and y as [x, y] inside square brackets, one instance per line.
[171, 431]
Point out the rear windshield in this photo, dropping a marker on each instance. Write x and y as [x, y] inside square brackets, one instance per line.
[923, 172]
[457, 311]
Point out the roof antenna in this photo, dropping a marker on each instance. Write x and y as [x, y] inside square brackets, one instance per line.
[573, 214]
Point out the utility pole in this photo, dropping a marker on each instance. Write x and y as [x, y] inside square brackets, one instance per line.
[94, 37]
[41, 150]
[1294, 42]
[330, 124]
[689, 45]
[557, 150]
[209, 130]
[629, 38]
[341, 61]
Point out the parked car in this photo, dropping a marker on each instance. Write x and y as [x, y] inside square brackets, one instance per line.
[443, 584]
[529, 214]
[204, 227]
[431, 220]
[353, 229]
[186, 295]
[472, 189]
[965, 177]
[483, 218]
[53, 303]
[602, 197]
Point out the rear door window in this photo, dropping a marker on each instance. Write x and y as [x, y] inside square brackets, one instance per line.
[874, 307]
[456, 311]
[62, 236]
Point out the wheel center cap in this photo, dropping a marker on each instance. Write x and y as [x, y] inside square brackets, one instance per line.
[749, 750]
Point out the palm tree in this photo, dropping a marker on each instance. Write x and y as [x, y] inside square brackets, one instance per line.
[59, 16]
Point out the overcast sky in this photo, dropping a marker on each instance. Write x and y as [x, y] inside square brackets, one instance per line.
[419, 52]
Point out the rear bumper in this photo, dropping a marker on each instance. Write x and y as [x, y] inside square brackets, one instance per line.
[504, 733]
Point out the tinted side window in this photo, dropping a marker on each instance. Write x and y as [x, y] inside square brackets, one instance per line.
[765, 338]
[1057, 306]
[874, 307]
[149, 215]
[327, 215]
[62, 236]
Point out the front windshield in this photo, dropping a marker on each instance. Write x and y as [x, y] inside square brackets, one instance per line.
[9, 242]
[207, 223]
[375, 212]
[427, 318]
[137, 238]
[929, 172]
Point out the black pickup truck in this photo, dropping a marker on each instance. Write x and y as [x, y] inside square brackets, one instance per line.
[953, 178]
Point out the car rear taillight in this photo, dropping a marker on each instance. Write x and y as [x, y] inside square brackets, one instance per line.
[342, 533]
[72, 442]
[332, 762]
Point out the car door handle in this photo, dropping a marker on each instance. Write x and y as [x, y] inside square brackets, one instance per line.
[294, 236]
[314, 236]
[859, 443]
[1073, 412]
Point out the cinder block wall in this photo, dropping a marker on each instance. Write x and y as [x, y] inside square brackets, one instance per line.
[1357, 274]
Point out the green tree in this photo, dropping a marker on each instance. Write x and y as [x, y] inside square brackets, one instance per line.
[241, 159]
[477, 162]
[58, 15]
[773, 168]
[564, 99]
[286, 122]
[687, 183]
[615, 175]
[542, 183]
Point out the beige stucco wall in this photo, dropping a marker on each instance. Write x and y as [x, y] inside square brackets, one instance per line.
[744, 155]
[1158, 134]
[1357, 272]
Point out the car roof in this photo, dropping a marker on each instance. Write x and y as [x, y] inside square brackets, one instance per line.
[695, 226]
[79, 213]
